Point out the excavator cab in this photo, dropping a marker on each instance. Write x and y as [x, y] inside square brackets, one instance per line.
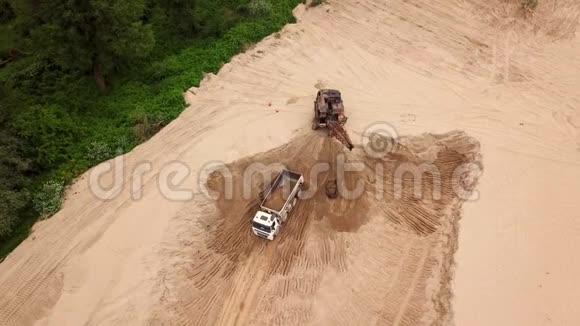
[328, 106]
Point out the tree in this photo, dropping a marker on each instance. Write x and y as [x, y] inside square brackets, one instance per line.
[6, 11]
[13, 165]
[92, 36]
[180, 15]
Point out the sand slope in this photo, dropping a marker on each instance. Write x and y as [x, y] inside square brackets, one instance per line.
[423, 66]
[371, 259]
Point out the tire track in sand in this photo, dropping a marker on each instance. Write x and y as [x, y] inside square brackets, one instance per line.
[240, 279]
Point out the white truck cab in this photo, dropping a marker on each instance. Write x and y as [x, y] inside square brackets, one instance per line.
[265, 225]
[278, 202]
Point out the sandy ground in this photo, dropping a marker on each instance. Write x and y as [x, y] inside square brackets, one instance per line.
[387, 258]
[509, 82]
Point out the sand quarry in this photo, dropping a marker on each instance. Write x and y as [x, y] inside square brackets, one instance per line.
[461, 81]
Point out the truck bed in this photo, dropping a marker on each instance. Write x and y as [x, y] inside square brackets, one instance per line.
[281, 189]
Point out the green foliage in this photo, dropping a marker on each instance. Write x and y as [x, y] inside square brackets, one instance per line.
[60, 125]
[259, 7]
[7, 40]
[48, 199]
[146, 125]
[39, 76]
[97, 36]
[179, 15]
[216, 17]
[11, 205]
[6, 11]
[13, 197]
[98, 152]
[51, 131]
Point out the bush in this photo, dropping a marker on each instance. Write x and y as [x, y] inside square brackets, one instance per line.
[259, 8]
[13, 168]
[52, 131]
[48, 199]
[11, 204]
[529, 4]
[6, 12]
[147, 125]
[98, 152]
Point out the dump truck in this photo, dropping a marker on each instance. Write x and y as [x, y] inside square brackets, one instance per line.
[281, 197]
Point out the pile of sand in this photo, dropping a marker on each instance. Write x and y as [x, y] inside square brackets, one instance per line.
[507, 78]
[337, 240]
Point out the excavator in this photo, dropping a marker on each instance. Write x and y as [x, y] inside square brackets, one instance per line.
[329, 113]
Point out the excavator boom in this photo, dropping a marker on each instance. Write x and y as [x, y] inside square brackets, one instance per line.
[337, 131]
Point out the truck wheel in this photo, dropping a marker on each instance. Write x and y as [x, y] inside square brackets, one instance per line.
[331, 189]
